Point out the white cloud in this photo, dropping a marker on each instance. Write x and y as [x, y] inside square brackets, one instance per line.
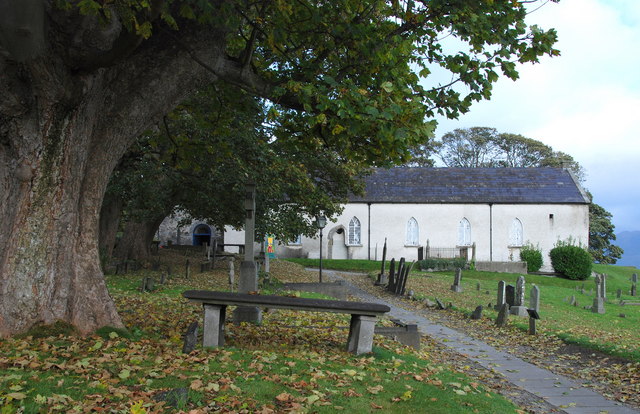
[585, 102]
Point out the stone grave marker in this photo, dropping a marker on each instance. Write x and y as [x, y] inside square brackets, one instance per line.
[503, 315]
[187, 269]
[572, 301]
[633, 289]
[457, 287]
[598, 301]
[232, 273]
[190, 338]
[392, 272]
[634, 278]
[478, 286]
[510, 295]
[440, 305]
[501, 295]
[477, 314]
[618, 293]
[518, 307]
[534, 299]
[382, 276]
[603, 290]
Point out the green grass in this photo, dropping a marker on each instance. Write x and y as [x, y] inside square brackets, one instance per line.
[292, 361]
[608, 333]
[346, 265]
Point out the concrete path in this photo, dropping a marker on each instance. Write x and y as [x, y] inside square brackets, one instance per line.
[560, 391]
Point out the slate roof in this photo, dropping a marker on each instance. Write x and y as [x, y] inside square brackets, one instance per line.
[472, 186]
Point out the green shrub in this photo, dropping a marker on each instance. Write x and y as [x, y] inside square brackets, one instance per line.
[571, 261]
[533, 257]
[443, 264]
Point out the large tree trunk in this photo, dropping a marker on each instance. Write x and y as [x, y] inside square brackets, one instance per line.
[135, 243]
[62, 131]
[109, 221]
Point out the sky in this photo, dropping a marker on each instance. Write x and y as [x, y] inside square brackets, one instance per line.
[585, 102]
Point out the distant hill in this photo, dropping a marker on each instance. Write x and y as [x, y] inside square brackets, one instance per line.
[630, 243]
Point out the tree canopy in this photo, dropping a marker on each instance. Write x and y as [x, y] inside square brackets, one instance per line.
[81, 80]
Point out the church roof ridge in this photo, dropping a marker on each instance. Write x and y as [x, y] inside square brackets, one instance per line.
[539, 185]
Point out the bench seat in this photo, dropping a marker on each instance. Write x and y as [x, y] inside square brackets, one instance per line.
[361, 328]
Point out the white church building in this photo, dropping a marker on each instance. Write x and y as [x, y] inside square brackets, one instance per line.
[487, 214]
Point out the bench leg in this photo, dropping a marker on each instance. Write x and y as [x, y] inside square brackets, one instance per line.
[361, 334]
[213, 330]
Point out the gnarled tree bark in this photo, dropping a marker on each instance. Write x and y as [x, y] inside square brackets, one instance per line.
[64, 124]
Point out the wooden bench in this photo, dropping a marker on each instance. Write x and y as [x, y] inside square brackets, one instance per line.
[361, 328]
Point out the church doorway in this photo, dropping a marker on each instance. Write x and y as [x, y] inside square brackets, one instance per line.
[201, 235]
[337, 247]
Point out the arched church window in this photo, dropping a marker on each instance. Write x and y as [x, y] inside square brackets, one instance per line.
[464, 233]
[515, 233]
[354, 231]
[413, 234]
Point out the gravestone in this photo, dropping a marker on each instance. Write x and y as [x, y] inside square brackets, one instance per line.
[477, 314]
[478, 286]
[534, 299]
[440, 305]
[392, 272]
[382, 277]
[572, 301]
[603, 291]
[618, 293]
[232, 274]
[518, 307]
[634, 278]
[190, 338]
[598, 301]
[163, 278]
[503, 315]
[457, 287]
[401, 288]
[420, 253]
[510, 295]
[187, 269]
[501, 295]
[633, 289]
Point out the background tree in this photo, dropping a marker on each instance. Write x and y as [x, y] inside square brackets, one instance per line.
[82, 80]
[601, 235]
[470, 148]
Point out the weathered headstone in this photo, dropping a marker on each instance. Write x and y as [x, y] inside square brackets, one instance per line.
[420, 253]
[598, 301]
[501, 295]
[518, 307]
[248, 280]
[457, 287]
[190, 338]
[534, 298]
[532, 326]
[572, 301]
[510, 295]
[187, 267]
[633, 290]
[382, 276]
[163, 278]
[232, 274]
[634, 278]
[440, 304]
[503, 315]
[403, 285]
[603, 290]
[392, 272]
[477, 314]
[618, 293]
[478, 286]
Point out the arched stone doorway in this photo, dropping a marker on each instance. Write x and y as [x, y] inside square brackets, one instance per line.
[201, 234]
[336, 246]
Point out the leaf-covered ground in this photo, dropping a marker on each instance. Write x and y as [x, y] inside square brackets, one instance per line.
[294, 362]
[615, 377]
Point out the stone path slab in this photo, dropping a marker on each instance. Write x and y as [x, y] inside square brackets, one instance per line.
[560, 391]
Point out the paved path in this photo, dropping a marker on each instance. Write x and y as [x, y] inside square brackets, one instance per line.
[557, 390]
